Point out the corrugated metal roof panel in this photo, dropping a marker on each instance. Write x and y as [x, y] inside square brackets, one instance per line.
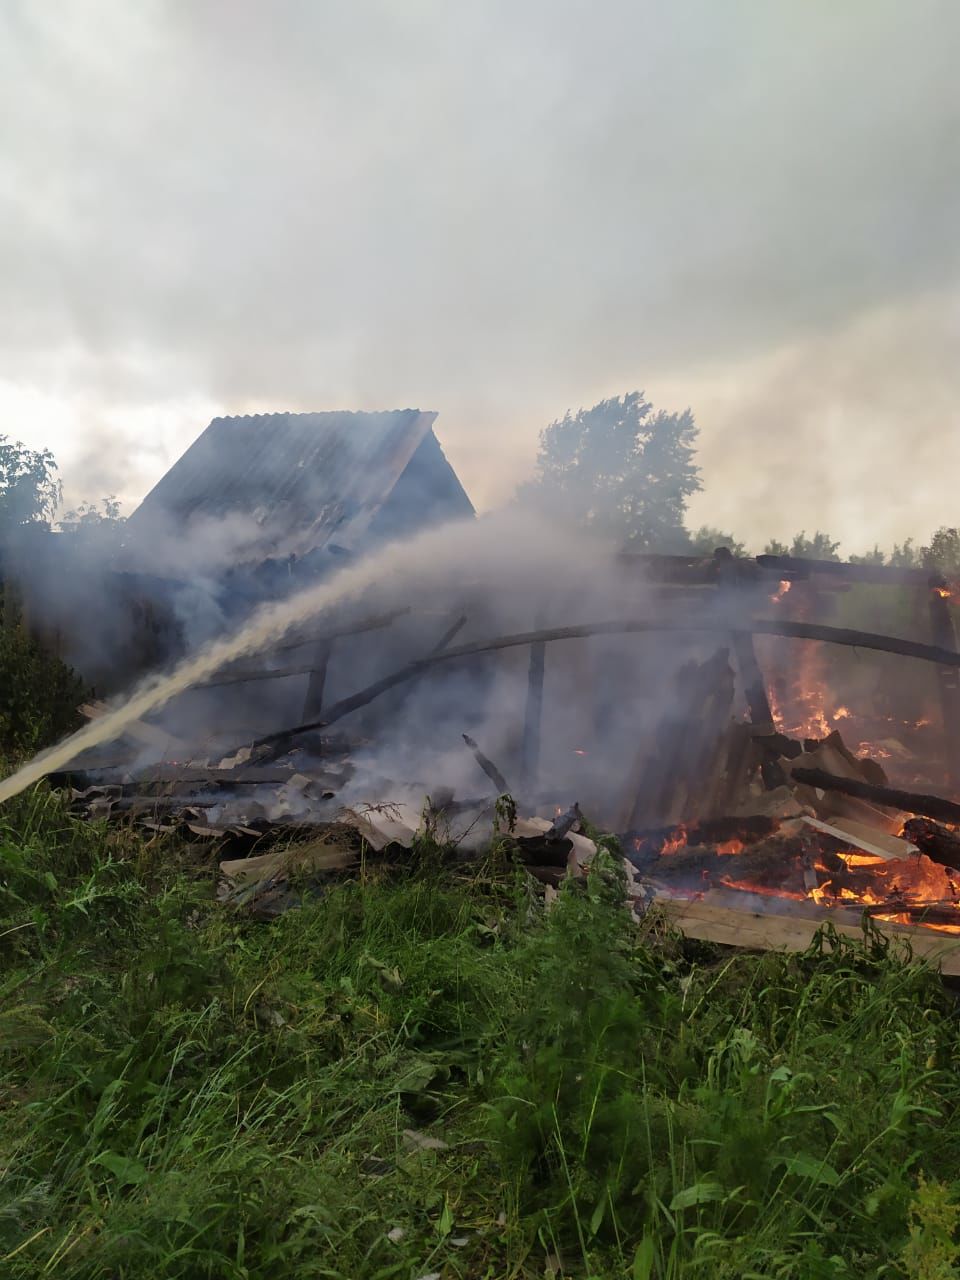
[300, 476]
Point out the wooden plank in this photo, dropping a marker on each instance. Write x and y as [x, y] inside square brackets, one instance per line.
[771, 931]
[869, 839]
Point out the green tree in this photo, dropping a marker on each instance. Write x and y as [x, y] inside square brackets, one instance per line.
[707, 539]
[90, 517]
[30, 491]
[905, 556]
[943, 553]
[622, 469]
[820, 547]
[39, 694]
[876, 556]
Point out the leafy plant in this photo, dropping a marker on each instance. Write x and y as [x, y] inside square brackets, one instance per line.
[39, 694]
[932, 1251]
[30, 491]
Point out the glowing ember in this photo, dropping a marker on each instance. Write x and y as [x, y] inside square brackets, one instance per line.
[907, 886]
[874, 751]
[780, 592]
[731, 846]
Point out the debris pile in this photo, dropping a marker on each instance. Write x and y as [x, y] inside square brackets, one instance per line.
[731, 813]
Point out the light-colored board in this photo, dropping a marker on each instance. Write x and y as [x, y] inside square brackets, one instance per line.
[774, 931]
[869, 839]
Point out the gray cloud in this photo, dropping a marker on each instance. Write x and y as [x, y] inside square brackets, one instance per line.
[497, 211]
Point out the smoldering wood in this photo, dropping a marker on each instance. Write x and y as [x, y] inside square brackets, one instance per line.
[772, 771]
[936, 842]
[776, 865]
[754, 688]
[565, 822]
[542, 851]
[890, 797]
[946, 912]
[487, 765]
[735, 769]
[530, 751]
[706, 831]
[781, 745]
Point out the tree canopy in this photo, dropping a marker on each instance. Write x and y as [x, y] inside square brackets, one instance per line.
[820, 547]
[621, 468]
[706, 539]
[30, 491]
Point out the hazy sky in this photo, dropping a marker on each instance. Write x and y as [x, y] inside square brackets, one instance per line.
[497, 210]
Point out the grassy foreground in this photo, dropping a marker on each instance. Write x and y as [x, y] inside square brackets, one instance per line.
[432, 1076]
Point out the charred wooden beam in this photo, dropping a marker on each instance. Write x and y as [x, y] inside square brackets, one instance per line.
[487, 765]
[910, 801]
[935, 841]
[882, 574]
[790, 630]
[530, 752]
[734, 579]
[945, 912]
[948, 679]
[565, 823]
[313, 702]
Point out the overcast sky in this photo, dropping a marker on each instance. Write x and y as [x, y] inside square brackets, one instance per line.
[497, 210]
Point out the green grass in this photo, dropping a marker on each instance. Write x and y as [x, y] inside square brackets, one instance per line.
[187, 1093]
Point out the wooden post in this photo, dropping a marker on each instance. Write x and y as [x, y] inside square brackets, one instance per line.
[755, 691]
[751, 677]
[944, 636]
[534, 714]
[313, 703]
